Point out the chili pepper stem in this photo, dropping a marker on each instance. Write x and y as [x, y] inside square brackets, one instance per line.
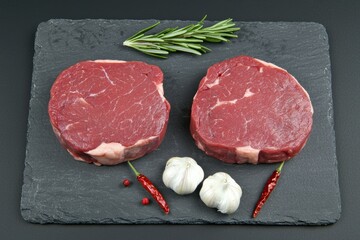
[133, 169]
[280, 167]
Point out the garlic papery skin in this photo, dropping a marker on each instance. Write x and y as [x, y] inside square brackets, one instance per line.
[182, 174]
[222, 192]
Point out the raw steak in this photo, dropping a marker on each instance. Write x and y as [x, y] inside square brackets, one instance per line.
[107, 112]
[248, 110]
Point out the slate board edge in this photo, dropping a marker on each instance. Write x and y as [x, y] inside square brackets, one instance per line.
[331, 117]
[337, 216]
[51, 20]
[26, 207]
[27, 170]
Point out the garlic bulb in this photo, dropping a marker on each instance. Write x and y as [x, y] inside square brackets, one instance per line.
[222, 192]
[182, 174]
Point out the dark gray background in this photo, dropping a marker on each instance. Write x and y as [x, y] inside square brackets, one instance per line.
[18, 22]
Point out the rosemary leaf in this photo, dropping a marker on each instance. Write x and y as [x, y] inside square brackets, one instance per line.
[155, 51]
[153, 39]
[174, 33]
[189, 40]
[185, 49]
[145, 30]
[194, 46]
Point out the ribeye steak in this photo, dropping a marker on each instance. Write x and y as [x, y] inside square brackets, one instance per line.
[248, 110]
[108, 111]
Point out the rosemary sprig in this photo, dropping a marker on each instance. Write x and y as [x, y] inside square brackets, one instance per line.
[186, 39]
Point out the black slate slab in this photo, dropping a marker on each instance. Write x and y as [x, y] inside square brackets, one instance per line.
[58, 189]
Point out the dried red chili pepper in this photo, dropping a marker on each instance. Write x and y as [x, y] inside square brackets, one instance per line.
[268, 188]
[149, 186]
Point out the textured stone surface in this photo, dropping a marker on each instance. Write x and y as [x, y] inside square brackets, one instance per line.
[58, 189]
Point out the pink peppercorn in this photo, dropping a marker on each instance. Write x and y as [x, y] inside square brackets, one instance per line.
[145, 201]
[126, 182]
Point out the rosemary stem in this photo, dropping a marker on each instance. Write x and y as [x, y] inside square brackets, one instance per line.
[187, 39]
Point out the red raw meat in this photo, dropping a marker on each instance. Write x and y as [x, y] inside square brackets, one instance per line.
[248, 110]
[107, 111]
